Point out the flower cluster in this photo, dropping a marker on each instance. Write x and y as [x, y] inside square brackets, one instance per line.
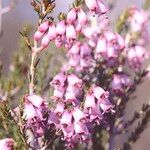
[76, 123]
[34, 114]
[89, 43]
[137, 37]
[96, 61]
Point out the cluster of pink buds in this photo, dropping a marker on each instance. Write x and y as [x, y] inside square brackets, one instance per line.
[65, 32]
[6, 144]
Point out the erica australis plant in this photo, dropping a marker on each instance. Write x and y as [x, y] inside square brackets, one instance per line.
[91, 89]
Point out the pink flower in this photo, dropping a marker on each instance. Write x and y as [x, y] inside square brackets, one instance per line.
[60, 28]
[78, 115]
[92, 4]
[100, 93]
[38, 35]
[96, 6]
[51, 31]
[116, 84]
[105, 105]
[74, 60]
[85, 50]
[36, 100]
[82, 130]
[101, 48]
[89, 102]
[66, 119]
[70, 97]
[68, 132]
[44, 26]
[138, 19]
[102, 7]
[45, 41]
[58, 81]
[58, 93]
[59, 109]
[70, 33]
[82, 18]
[72, 16]
[136, 55]
[74, 81]
[95, 114]
[6, 144]
[86, 62]
[74, 50]
[31, 112]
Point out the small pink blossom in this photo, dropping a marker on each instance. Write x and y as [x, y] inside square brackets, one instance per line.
[38, 35]
[72, 16]
[44, 26]
[6, 144]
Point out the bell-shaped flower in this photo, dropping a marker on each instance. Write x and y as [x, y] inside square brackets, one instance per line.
[95, 114]
[30, 112]
[100, 93]
[101, 48]
[58, 81]
[45, 41]
[71, 34]
[74, 60]
[44, 26]
[36, 100]
[7, 144]
[81, 130]
[92, 4]
[74, 50]
[78, 115]
[85, 50]
[74, 81]
[68, 132]
[60, 28]
[58, 94]
[38, 35]
[82, 18]
[51, 32]
[72, 16]
[66, 119]
[116, 84]
[105, 105]
[89, 102]
[60, 107]
[70, 97]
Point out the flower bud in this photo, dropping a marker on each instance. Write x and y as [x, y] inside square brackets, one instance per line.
[38, 35]
[70, 32]
[45, 41]
[51, 32]
[82, 18]
[44, 26]
[61, 28]
[72, 16]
